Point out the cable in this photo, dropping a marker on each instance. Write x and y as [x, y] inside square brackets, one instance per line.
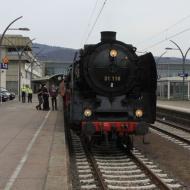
[96, 20]
[172, 36]
[89, 21]
[165, 30]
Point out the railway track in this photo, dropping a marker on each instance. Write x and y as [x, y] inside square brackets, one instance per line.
[175, 117]
[173, 124]
[108, 167]
[172, 133]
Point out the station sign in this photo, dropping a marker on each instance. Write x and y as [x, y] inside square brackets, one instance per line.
[4, 66]
[4, 63]
[183, 74]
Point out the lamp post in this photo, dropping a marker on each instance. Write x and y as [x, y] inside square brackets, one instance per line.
[24, 29]
[7, 28]
[158, 60]
[1, 41]
[20, 54]
[184, 56]
[33, 60]
[19, 66]
[2, 36]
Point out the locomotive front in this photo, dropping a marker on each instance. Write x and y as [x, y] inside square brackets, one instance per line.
[110, 67]
[113, 90]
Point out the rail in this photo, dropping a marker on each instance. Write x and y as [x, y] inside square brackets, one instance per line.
[156, 179]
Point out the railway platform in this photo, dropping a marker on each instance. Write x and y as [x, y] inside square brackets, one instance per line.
[33, 152]
[183, 106]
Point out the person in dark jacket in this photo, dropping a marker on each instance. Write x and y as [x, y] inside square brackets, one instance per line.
[30, 92]
[45, 95]
[23, 92]
[40, 99]
[53, 93]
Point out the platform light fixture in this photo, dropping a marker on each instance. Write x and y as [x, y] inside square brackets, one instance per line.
[184, 57]
[23, 29]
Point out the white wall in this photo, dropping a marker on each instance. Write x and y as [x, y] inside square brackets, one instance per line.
[3, 71]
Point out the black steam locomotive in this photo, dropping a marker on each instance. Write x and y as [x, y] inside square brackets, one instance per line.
[111, 92]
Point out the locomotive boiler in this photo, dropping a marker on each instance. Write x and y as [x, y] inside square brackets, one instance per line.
[111, 91]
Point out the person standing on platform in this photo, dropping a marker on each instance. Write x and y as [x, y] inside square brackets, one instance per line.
[27, 90]
[23, 93]
[30, 92]
[45, 95]
[62, 91]
[40, 98]
[53, 93]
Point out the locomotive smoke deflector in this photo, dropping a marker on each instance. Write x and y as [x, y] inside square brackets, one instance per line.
[108, 36]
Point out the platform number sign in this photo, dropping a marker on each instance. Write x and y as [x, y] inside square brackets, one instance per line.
[183, 74]
[4, 63]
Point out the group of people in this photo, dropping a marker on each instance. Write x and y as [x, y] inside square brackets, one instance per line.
[43, 97]
[26, 91]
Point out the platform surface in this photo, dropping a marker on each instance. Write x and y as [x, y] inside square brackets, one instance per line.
[33, 153]
[183, 106]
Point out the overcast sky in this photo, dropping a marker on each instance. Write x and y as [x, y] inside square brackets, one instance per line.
[65, 23]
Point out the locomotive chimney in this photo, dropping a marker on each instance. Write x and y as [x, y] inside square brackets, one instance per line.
[108, 36]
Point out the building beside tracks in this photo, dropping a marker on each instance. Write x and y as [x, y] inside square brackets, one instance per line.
[173, 88]
[51, 68]
[173, 84]
[53, 72]
[22, 65]
[171, 67]
[48, 80]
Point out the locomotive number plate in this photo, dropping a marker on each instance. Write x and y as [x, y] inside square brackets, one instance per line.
[114, 78]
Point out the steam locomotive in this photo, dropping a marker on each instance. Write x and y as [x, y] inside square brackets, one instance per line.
[111, 91]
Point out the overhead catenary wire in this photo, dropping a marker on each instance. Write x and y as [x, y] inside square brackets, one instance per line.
[89, 21]
[165, 30]
[100, 12]
[166, 39]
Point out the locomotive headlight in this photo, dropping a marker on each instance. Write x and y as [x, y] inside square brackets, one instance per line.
[139, 113]
[87, 112]
[113, 53]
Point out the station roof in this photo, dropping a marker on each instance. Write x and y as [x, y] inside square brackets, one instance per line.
[173, 79]
[61, 62]
[46, 78]
[18, 41]
[41, 79]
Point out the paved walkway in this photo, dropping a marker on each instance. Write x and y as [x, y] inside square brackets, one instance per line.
[57, 178]
[33, 154]
[175, 105]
